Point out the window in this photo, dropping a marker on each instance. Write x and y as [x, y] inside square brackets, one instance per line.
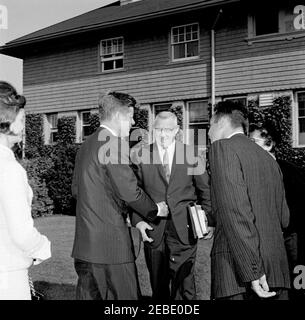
[85, 124]
[268, 21]
[161, 107]
[112, 54]
[198, 119]
[185, 42]
[52, 120]
[301, 119]
[242, 100]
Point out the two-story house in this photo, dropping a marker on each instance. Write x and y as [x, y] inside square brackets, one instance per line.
[167, 52]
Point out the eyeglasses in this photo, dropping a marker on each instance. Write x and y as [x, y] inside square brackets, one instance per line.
[165, 130]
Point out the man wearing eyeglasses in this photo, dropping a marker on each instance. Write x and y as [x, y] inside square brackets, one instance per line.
[105, 186]
[170, 171]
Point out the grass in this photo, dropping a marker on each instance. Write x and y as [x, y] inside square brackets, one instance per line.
[56, 277]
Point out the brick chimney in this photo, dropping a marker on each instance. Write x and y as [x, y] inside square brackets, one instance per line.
[123, 2]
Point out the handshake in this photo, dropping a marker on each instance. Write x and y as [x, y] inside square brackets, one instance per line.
[163, 209]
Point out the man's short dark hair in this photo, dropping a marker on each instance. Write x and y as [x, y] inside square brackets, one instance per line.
[235, 111]
[112, 101]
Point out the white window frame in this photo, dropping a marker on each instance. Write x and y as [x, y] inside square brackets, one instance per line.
[52, 129]
[82, 124]
[113, 56]
[172, 43]
[187, 137]
[295, 121]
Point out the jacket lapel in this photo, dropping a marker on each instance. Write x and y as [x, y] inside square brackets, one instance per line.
[178, 160]
[156, 161]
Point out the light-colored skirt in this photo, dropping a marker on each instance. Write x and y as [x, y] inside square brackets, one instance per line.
[14, 285]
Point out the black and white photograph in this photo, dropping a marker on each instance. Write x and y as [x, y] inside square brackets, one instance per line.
[152, 151]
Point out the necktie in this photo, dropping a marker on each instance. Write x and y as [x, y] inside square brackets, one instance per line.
[166, 165]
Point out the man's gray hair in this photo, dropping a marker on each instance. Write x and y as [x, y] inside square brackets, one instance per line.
[164, 115]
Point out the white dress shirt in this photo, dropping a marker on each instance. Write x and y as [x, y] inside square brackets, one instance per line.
[171, 152]
[20, 241]
[234, 133]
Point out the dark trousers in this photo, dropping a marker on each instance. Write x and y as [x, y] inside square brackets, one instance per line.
[106, 281]
[282, 294]
[171, 267]
[295, 251]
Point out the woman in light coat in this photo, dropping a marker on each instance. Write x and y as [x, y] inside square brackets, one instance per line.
[21, 245]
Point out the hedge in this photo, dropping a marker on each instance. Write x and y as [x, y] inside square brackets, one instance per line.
[37, 169]
[34, 140]
[50, 167]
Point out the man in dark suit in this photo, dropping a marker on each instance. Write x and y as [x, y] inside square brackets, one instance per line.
[104, 186]
[169, 171]
[248, 258]
[266, 136]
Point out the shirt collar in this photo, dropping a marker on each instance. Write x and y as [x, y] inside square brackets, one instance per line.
[234, 133]
[111, 131]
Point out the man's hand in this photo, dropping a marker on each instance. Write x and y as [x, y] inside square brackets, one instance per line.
[261, 288]
[143, 226]
[210, 233]
[163, 209]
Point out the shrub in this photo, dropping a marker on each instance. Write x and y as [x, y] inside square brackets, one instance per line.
[141, 116]
[66, 130]
[94, 121]
[33, 135]
[178, 111]
[37, 168]
[60, 177]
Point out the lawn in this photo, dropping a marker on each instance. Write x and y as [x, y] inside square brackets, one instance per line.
[56, 277]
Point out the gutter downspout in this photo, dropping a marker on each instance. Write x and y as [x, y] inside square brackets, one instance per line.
[213, 60]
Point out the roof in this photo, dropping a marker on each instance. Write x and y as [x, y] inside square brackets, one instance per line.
[111, 15]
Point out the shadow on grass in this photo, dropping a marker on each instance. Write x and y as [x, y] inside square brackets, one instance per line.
[55, 291]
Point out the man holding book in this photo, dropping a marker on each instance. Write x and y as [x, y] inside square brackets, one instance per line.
[170, 171]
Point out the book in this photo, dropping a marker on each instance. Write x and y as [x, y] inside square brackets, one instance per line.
[198, 220]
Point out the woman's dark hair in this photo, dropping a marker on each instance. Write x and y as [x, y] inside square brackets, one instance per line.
[10, 103]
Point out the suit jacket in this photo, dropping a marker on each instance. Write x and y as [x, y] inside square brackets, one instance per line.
[294, 183]
[104, 186]
[249, 206]
[188, 182]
